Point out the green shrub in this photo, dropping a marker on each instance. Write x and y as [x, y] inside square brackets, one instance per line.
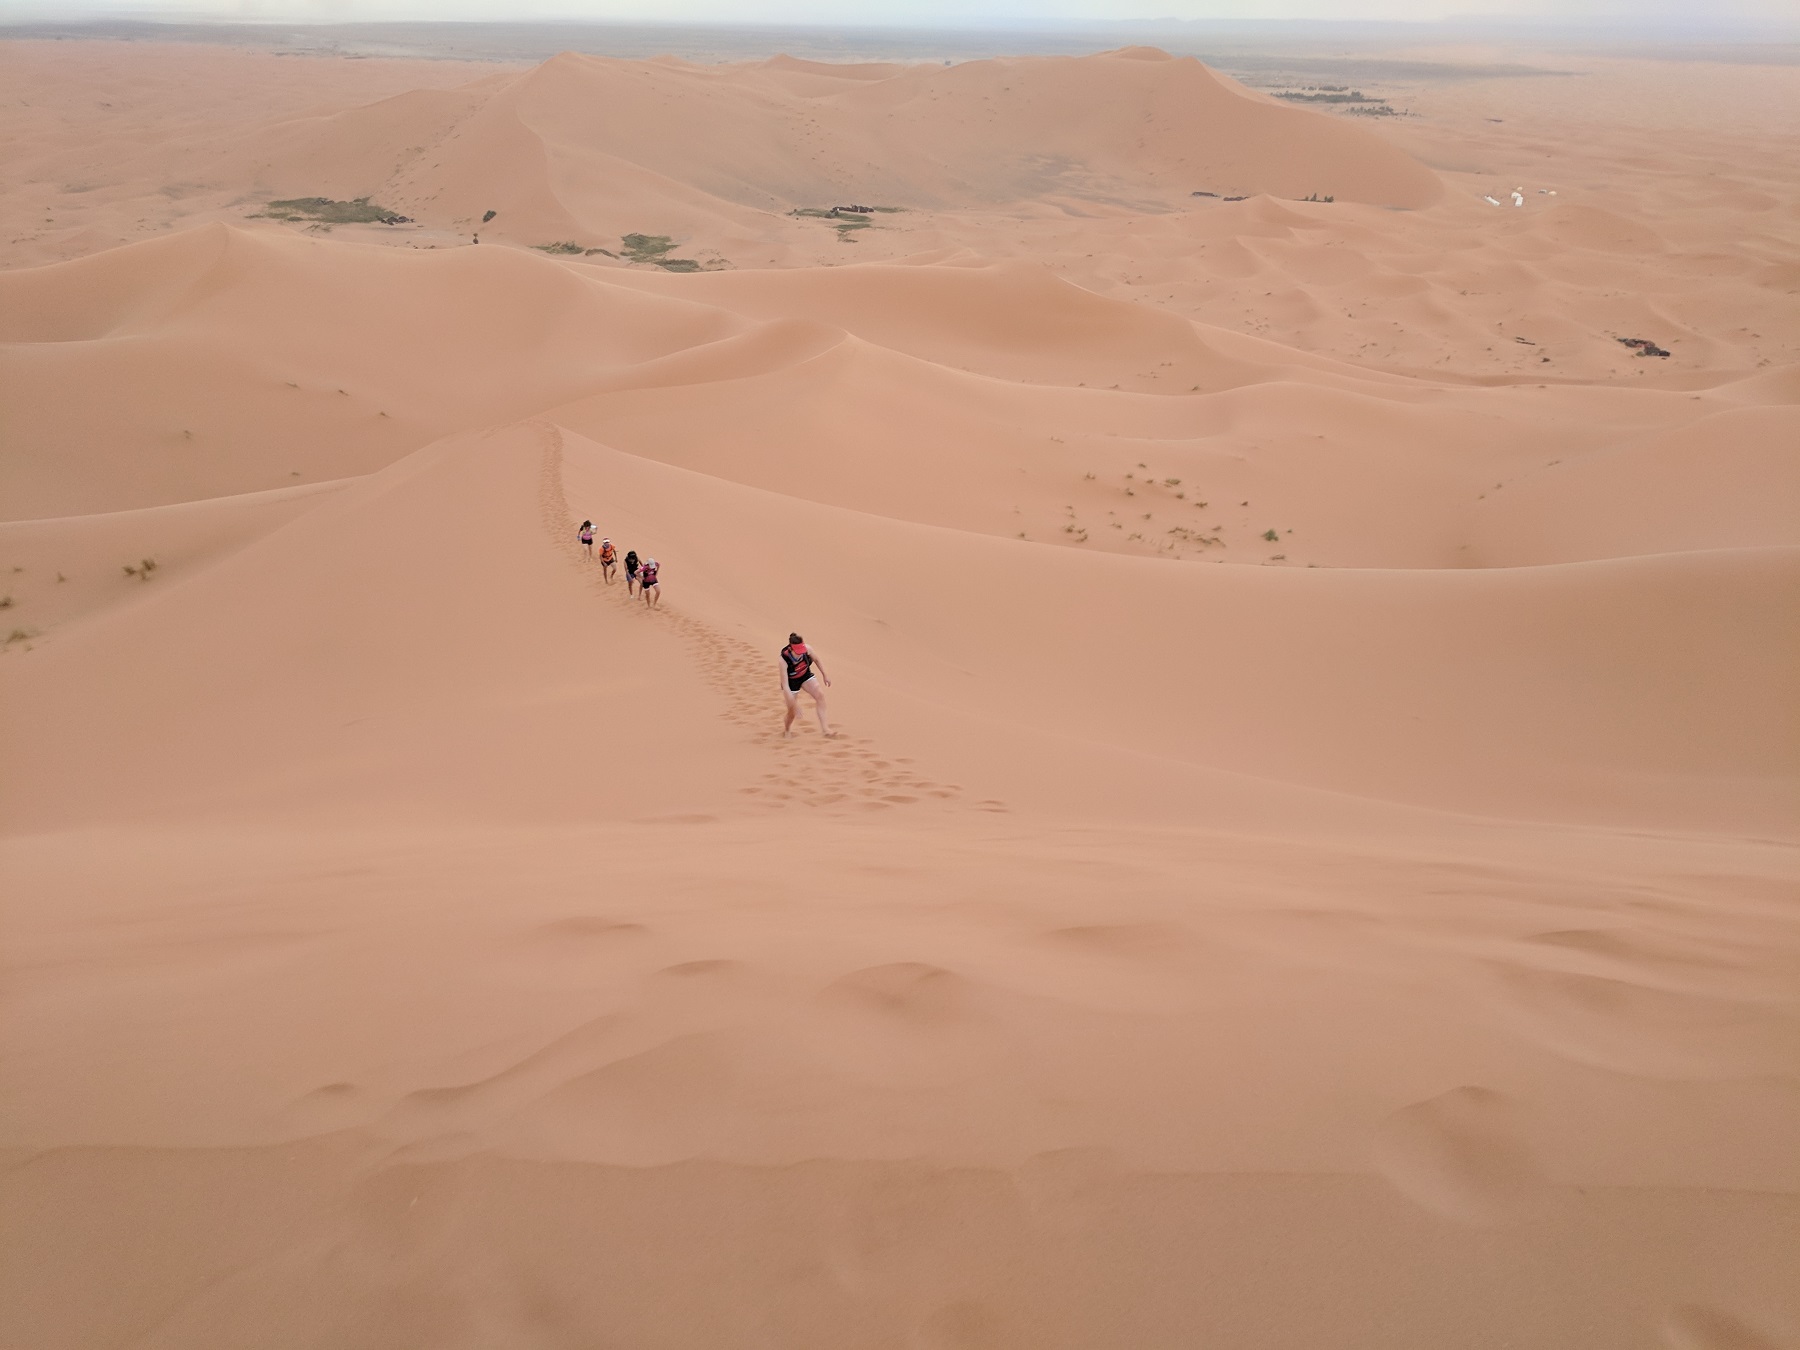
[324, 210]
[655, 249]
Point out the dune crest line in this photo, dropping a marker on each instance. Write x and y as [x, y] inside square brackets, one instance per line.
[852, 773]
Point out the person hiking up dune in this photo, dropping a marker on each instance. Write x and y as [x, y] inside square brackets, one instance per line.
[609, 557]
[802, 669]
[631, 571]
[586, 535]
[648, 583]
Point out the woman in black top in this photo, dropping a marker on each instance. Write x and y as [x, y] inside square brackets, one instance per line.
[631, 566]
[802, 669]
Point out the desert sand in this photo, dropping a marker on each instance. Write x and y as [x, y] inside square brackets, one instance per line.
[1311, 855]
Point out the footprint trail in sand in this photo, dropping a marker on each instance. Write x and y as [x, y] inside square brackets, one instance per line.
[850, 774]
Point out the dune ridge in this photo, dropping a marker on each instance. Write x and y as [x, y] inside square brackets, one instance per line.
[676, 144]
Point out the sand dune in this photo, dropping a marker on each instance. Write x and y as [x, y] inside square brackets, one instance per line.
[67, 568]
[749, 375]
[1438, 690]
[243, 361]
[1434, 687]
[1309, 855]
[1731, 475]
[304, 661]
[588, 148]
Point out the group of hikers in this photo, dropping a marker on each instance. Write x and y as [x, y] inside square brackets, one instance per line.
[640, 576]
[802, 671]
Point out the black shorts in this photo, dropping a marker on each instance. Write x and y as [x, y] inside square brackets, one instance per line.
[794, 688]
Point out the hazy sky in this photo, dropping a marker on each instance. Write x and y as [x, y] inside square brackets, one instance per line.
[936, 12]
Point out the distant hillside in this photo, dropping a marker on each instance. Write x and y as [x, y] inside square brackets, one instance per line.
[588, 148]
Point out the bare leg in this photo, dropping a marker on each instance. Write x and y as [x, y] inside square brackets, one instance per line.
[793, 707]
[817, 691]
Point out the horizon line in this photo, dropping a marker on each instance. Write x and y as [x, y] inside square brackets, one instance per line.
[1784, 31]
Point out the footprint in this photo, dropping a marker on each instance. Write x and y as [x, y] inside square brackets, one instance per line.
[455, 1106]
[1694, 1327]
[963, 1325]
[708, 966]
[676, 1087]
[589, 926]
[1460, 1155]
[1123, 939]
[1596, 940]
[912, 991]
[1636, 1028]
